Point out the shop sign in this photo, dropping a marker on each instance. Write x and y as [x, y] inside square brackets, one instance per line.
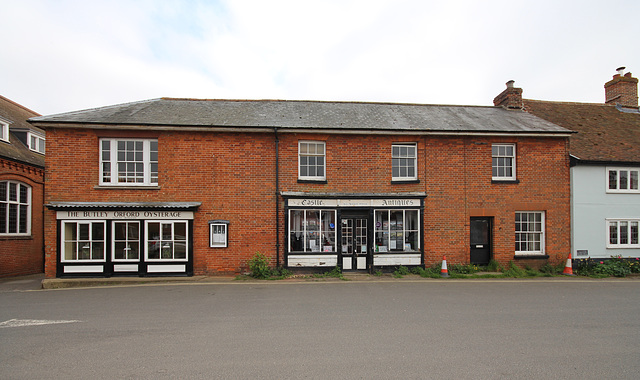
[125, 215]
[313, 202]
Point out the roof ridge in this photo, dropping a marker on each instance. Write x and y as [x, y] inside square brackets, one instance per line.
[94, 109]
[19, 105]
[566, 102]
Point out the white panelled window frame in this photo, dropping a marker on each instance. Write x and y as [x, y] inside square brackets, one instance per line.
[530, 233]
[4, 131]
[623, 180]
[83, 241]
[404, 161]
[218, 234]
[397, 230]
[312, 230]
[503, 162]
[170, 242]
[15, 208]
[128, 162]
[312, 163]
[125, 243]
[36, 142]
[622, 233]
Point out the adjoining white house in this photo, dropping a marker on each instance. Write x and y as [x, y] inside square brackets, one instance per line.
[605, 166]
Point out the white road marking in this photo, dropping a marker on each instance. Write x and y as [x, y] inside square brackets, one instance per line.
[30, 322]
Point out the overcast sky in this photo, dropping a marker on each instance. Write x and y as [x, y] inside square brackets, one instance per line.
[59, 56]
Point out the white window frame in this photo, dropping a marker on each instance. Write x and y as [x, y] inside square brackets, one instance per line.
[111, 178]
[410, 161]
[4, 131]
[6, 202]
[218, 234]
[319, 231]
[628, 225]
[541, 234]
[387, 230]
[627, 183]
[312, 155]
[63, 240]
[494, 165]
[172, 240]
[127, 240]
[36, 142]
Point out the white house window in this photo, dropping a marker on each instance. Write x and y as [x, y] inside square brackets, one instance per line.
[622, 233]
[397, 230]
[529, 233]
[166, 241]
[503, 162]
[312, 230]
[126, 241]
[36, 143]
[4, 131]
[311, 160]
[128, 162]
[83, 241]
[403, 162]
[218, 234]
[622, 180]
[15, 208]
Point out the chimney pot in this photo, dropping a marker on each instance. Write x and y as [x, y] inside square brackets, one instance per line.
[510, 83]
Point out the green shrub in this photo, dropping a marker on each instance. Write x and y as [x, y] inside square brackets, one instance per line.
[259, 266]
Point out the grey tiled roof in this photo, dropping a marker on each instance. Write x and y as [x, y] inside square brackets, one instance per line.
[165, 112]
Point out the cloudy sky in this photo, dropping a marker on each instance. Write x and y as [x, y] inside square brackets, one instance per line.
[66, 55]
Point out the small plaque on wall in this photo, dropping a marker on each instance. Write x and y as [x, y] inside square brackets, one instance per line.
[582, 252]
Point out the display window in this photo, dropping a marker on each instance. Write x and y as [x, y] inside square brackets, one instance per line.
[312, 230]
[397, 230]
[166, 240]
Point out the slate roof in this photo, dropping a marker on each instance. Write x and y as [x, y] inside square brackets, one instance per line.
[16, 150]
[345, 116]
[605, 132]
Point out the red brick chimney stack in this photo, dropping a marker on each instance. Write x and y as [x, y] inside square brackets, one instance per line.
[509, 98]
[622, 89]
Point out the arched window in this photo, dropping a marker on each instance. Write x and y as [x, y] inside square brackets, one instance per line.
[15, 208]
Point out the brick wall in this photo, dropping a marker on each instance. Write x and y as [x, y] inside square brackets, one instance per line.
[233, 176]
[24, 255]
[623, 90]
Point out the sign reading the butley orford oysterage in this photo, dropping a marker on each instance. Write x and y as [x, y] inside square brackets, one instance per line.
[314, 202]
[125, 214]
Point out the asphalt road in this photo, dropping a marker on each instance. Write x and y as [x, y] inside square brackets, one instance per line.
[350, 330]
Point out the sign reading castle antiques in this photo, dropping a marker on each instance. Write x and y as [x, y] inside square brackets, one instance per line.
[124, 214]
[314, 202]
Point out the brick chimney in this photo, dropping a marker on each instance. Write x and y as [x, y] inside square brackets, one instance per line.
[622, 89]
[509, 98]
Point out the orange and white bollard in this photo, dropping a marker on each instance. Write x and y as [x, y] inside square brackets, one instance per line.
[568, 268]
[444, 272]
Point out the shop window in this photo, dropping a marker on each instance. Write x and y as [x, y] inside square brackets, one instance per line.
[15, 208]
[503, 162]
[83, 241]
[36, 143]
[166, 240]
[622, 180]
[529, 233]
[397, 230]
[312, 231]
[126, 241]
[622, 234]
[403, 162]
[218, 234]
[128, 162]
[311, 160]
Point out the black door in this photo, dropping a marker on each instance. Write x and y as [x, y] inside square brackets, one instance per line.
[480, 236]
[354, 243]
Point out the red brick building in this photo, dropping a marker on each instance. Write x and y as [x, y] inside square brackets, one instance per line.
[21, 191]
[180, 186]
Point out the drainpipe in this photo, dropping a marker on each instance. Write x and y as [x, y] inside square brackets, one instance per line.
[275, 131]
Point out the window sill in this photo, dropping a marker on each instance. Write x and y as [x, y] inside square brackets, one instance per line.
[404, 181]
[121, 187]
[505, 181]
[533, 257]
[320, 181]
[16, 237]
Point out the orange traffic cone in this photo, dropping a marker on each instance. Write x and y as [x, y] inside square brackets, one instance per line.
[568, 268]
[444, 272]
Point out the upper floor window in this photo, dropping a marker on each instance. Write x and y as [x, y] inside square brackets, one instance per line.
[311, 160]
[128, 162]
[530, 233]
[36, 143]
[622, 180]
[403, 162]
[622, 234]
[4, 131]
[15, 208]
[503, 162]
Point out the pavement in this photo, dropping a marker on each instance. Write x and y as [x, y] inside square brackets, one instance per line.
[39, 282]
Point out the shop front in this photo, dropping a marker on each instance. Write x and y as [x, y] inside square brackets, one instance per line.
[354, 232]
[124, 239]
